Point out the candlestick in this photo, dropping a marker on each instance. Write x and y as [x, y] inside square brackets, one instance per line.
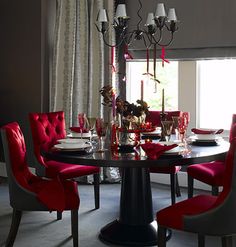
[163, 100]
[113, 104]
[142, 90]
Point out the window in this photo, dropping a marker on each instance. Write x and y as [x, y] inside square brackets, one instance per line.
[216, 93]
[152, 93]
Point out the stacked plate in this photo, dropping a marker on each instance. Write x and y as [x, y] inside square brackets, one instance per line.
[78, 135]
[174, 151]
[205, 139]
[69, 144]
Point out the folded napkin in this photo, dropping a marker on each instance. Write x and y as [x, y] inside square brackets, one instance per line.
[77, 129]
[154, 150]
[206, 132]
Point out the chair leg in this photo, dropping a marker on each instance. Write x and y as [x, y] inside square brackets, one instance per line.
[161, 236]
[190, 186]
[215, 190]
[227, 241]
[16, 218]
[74, 227]
[172, 187]
[201, 240]
[177, 188]
[59, 215]
[96, 178]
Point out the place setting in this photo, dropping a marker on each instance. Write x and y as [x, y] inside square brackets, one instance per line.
[202, 137]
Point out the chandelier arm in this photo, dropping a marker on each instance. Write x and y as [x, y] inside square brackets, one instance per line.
[159, 39]
[170, 41]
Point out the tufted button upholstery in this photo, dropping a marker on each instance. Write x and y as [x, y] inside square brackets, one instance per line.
[55, 194]
[47, 128]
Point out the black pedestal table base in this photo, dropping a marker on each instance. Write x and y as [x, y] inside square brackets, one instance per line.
[125, 235]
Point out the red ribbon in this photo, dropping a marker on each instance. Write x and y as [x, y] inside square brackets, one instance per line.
[163, 53]
[127, 55]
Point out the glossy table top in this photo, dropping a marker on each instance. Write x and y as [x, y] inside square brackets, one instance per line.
[198, 154]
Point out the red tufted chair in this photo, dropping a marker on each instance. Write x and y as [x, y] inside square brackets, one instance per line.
[205, 214]
[32, 193]
[46, 129]
[154, 118]
[210, 173]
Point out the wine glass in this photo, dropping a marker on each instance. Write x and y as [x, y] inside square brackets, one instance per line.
[101, 128]
[182, 127]
[175, 126]
[82, 121]
[167, 128]
[91, 126]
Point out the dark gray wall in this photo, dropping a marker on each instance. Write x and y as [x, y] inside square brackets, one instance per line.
[204, 25]
[26, 41]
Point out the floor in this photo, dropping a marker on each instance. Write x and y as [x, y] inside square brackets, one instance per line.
[39, 229]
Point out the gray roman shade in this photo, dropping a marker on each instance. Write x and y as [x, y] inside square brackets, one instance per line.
[206, 28]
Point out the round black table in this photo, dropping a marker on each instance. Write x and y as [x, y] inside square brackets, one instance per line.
[136, 226]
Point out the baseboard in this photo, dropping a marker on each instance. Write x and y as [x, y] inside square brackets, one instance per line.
[182, 177]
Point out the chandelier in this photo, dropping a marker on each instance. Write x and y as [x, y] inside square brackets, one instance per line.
[152, 32]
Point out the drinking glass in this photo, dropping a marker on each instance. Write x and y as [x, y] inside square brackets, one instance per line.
[182, 127]
[91, 126]
[82, 121]
[101, 128]
[175, 126]
[167, 128]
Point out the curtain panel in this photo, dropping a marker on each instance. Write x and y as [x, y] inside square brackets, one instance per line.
[80, 64]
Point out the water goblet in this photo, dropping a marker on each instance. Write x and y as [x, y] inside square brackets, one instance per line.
[167, 128]
[91, 126]
[101, 128]
[82, 121]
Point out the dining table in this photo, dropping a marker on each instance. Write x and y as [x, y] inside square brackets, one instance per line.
[136, 225]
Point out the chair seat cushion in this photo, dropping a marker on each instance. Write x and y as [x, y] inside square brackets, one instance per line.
[165, 170]
[210, 173]
[173, 216]
[67, 171]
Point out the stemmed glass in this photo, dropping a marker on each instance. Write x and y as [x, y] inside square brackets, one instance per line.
[183, 125]
[167, 128]
[82, 121]
[101, 128]
[91, 126]
[175, 126]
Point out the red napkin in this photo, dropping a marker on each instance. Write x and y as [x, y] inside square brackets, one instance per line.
[77, 129]
[154, 150]
[206, 132]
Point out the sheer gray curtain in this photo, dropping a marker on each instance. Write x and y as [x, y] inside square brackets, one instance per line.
[80, 64]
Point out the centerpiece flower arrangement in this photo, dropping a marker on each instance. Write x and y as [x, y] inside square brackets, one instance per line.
[132, 116]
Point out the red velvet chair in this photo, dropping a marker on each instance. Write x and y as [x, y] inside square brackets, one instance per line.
[32, 193]
[46, 129]
[205, 214]
[154, 118]
[210, 173]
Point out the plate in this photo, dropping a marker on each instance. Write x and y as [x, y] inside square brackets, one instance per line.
[153, 133]
[78, 135]
[72, 147]
[205, 138]
[72, 140]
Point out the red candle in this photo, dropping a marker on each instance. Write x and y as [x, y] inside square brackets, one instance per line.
[141, 89]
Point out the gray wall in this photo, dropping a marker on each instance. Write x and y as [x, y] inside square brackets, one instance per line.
[26, 42]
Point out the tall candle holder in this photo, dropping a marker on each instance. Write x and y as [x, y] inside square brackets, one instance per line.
[163, 118]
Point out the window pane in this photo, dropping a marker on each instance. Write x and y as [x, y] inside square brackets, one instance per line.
[167, 75]
[216, 95]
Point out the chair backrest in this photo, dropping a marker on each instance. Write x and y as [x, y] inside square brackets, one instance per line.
[155, 118]
[46, 129]
[232, 133]
[21, 194]
[221, 218]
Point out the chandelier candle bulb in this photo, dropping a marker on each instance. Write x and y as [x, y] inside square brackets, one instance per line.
[102, 16]
[142, 90]
[150, 19]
